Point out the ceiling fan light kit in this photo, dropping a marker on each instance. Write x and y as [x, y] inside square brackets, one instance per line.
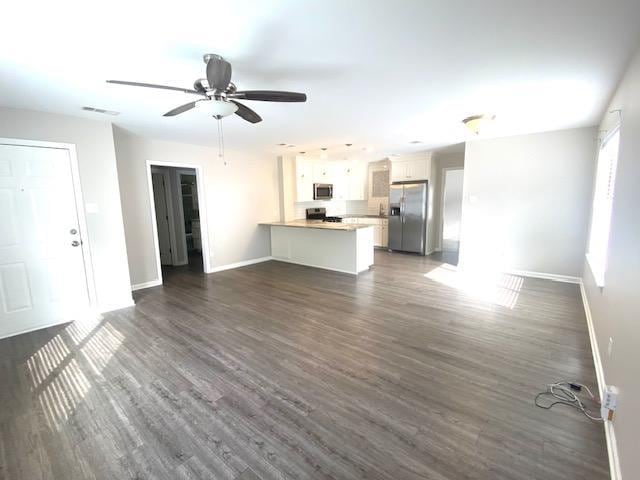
[217, 108]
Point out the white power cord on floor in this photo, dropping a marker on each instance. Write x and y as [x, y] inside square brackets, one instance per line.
[566, 393]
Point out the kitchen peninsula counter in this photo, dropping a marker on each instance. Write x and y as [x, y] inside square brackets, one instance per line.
[336, 246]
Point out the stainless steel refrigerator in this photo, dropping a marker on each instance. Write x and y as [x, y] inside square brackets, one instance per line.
[408, 216]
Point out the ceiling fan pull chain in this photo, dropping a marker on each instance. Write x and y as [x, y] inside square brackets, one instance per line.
[224, 159]
[220, 139]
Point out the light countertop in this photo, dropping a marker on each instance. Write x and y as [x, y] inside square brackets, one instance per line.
[319, 224]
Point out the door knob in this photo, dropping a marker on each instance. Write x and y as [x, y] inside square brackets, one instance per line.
[75, 243]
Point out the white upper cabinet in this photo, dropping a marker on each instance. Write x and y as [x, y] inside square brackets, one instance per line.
[337, 176]
[414, 167]
[304, 180]
[349, 178]
[321, 172]
[356, 174]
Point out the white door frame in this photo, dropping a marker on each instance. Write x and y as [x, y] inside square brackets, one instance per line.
[202, 206]
[79, 203]
[443, 182]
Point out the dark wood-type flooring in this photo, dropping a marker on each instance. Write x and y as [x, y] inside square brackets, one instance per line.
[274, 371]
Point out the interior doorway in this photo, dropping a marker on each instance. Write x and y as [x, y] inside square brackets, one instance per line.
[451, 213]
[191, 217]
[179, 218]
[45, 269]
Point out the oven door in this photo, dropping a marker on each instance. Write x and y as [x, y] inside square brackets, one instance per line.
[322, 191]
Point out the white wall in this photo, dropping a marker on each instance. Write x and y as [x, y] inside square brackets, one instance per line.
[615, 308]
[99, 181]
[526, 202]
[239, 196]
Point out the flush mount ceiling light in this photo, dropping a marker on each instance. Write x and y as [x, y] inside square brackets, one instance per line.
[414, 142]
[217, 108]
[475, 123]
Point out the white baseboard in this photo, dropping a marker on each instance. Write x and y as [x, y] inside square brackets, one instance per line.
[609, 428]
[149, 284]
[90, 315]
[244, 263]
[110, 307]
[545, 276]
[316, 266]
[33, 329]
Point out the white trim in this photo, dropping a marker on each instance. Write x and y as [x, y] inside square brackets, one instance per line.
[545, 276]
[154, 223]
[318, 266]
[244, 263]
[609, 428]
[117, 306]
[598, 276]
[80, 211]
[33, 329]
[149, 284]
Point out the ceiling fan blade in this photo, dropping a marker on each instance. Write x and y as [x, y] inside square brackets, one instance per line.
[270, 96]
[153, 85]
[218, 72]
[246, 113]
[181, 109]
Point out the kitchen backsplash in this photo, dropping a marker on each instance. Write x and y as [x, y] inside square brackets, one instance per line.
[334, 207]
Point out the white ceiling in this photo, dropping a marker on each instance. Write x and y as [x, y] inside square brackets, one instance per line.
[377, 73]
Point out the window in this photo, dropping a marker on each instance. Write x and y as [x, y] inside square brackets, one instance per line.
[602, 204]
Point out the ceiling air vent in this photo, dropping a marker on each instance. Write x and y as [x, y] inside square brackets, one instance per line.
[100, 110]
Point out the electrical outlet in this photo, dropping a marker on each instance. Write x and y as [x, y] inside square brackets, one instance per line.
[609, 402]
[610, 347]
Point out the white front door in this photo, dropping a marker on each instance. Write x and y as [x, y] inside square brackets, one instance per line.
[42, 276]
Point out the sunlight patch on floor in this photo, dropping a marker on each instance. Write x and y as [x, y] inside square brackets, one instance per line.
[498, 289]
[101, 346]
[56, 377]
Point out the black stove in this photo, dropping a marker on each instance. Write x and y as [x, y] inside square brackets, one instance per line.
[321, 214]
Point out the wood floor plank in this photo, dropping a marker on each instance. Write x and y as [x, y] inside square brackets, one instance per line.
[278, 371]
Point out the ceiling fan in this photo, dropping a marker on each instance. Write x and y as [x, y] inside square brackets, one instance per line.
[220, 93]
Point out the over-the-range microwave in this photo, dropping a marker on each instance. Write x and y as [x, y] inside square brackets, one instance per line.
[322, 191]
